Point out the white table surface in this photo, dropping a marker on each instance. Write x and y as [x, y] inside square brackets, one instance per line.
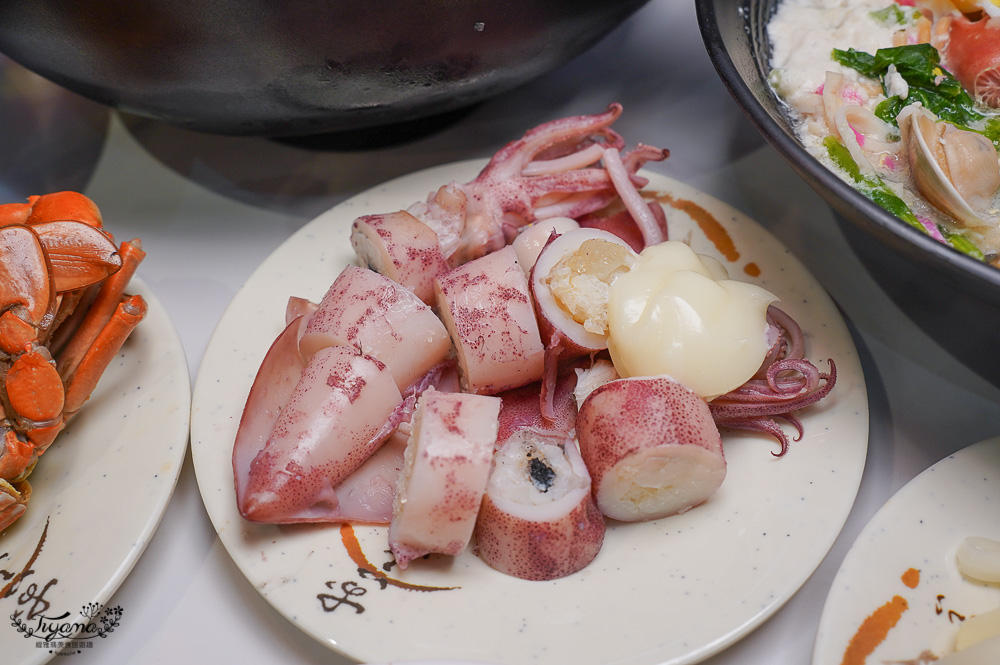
[209, 209]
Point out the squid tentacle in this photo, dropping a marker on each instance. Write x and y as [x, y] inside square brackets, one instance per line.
[786, 383]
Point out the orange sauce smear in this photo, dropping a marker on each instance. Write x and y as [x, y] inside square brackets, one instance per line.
[876, 627]
[713, 230]
[873, 631]
[353, 547]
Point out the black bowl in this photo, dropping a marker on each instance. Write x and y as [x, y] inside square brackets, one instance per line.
[952, 296]
[260, 67]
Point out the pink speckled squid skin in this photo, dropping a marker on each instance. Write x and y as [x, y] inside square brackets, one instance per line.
[543, 542]
[446, 466]
[487, 309]
[332, 423]
[401, 247]
[381, 318]
[661, 414]
[272, 387]
[540, 551]
[522, 407]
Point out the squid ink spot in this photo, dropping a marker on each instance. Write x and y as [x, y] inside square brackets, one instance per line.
[542, 475]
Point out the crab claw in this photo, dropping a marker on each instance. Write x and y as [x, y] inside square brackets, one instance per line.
[80, 254]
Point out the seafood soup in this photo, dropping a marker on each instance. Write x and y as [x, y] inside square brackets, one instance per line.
[902, 100]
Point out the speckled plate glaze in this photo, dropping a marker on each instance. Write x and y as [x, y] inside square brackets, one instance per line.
[98, 494]
[918, 529]
[671, 591]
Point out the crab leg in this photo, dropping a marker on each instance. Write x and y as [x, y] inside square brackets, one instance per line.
[102, 309]
[88, 371]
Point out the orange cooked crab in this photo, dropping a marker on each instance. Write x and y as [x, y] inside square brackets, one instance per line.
[64, 315]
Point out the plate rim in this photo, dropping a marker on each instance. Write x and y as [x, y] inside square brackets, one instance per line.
[166, 337]
[867, 537]
[201, 387]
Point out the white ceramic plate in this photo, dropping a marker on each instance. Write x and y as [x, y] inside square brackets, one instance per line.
[919, 528]
[672, 591]
[99, 492]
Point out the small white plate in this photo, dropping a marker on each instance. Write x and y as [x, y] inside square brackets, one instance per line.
[98, 493]
[671, 591]
[919, 528]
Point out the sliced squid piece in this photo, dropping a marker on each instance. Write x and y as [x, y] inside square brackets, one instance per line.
[488, 311]
[570, 283]
[446, 466]
[662, 458]
[676, 313]
[401, 247]
[371, 312]
[538, 519]
[335, 419]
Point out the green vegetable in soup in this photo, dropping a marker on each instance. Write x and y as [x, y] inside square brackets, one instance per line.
[930, 84]
[894, 15]
[875, 189]
[871, 186]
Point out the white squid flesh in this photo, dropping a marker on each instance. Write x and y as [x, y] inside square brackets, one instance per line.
[445, 469]
[538, 519]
